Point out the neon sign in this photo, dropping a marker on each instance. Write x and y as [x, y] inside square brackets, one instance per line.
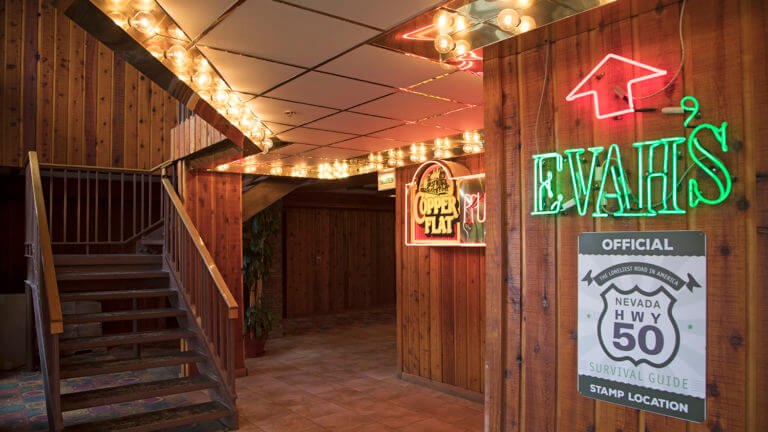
[443, 209]
[657, 163]
[601, 83]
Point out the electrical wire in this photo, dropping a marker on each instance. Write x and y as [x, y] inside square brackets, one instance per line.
[682, 57]
[541, 98]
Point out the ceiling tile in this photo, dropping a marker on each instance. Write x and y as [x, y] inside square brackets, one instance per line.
[369, 144]
[459, 86]
[384, 66]
[329, 90]
[274, 110]
[414, 133]
[466, 119]
[333, 153]
[277, 128]
[194, 16]
[376, 13]
[349, 122]
[292, 149]
[247, 74]
[313, 136]
[277, 31]
[407, 106]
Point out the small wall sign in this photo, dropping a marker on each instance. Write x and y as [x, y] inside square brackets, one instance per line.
[642, 304]
[445, 206]
[386, 179]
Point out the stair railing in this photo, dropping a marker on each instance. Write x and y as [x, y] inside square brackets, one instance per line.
[101, 206]
[206, 293]
[41, 284]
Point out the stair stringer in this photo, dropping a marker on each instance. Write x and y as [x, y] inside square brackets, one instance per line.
[211, 367]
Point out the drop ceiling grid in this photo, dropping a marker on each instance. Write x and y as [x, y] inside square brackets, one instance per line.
[346, 59]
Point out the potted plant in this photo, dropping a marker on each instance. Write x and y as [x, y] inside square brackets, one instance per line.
[257, 259]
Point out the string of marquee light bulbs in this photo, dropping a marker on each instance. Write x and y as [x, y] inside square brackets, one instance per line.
[149, 24]
[145, 21]
[449, 23]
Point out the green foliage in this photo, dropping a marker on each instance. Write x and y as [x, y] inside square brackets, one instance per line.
[258, 319]
[257, 259]
[257, 246]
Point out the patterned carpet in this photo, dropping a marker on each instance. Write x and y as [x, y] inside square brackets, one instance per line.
[22, 399]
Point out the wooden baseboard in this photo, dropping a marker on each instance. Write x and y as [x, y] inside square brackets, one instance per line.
[443, 387]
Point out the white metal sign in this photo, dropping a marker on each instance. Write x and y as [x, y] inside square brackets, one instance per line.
[643, 320]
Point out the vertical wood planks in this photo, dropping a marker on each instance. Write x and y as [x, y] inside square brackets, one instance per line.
[441, 326]
[68, 96]
[573, 128]
[539, 269]
[714, 56]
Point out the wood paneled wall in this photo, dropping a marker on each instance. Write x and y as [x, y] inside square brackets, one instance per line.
[212, 200]
[532, 260]
[191, 135]
[337, 257]
[440, 303]
[69, 97]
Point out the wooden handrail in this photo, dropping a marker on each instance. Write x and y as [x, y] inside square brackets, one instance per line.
[46, 252]
[154, 169]
[194, 234]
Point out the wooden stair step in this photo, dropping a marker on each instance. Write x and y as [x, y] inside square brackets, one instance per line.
[74, 274]
[83, 369]
[132, 392]
[115, 294]
[124, 315]
[124, 339]
[154, 420]
[106, 259]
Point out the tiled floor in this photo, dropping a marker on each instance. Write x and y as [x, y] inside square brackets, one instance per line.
[344, 379]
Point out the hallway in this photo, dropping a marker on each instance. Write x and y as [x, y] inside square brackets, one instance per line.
[337, 373]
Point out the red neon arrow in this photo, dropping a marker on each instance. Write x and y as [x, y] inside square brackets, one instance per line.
[613, 71]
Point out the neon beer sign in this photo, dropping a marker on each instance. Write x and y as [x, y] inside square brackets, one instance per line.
[594, 186]
[443, 208]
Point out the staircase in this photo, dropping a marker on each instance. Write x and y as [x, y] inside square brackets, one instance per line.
[113, 313]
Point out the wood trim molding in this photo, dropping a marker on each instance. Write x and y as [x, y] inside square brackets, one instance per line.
[442, 387]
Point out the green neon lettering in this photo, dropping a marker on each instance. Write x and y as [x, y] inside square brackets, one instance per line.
[670, 148]
[619, 181]
[582, 190]
[542, 185]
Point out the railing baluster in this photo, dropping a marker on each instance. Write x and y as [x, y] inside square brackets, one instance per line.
[96, 211]
[133, 233]
[141, 177]
[109, 206]
[79, 204]
[66, 199]
[50, 199]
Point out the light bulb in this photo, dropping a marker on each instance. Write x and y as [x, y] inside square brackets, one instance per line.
[467, 135]
[155, 50]
[258, 134]
[144, 22]
[143, 5]
[202, 79]
[176, 33]
[443, 22]
[508, 19]
[234, 113]
[444, 44]
[460, 23]
[467, 148]
[220, 97]
[119, 19]
[247, 122]
[222, 167]
[201, 62]
[527, 23]
[462, 47]
[268, 143]
[177, 54]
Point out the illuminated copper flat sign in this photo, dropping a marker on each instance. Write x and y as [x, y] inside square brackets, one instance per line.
[445, 206]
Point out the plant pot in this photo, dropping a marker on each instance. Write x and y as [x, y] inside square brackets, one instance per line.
[254, 347]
